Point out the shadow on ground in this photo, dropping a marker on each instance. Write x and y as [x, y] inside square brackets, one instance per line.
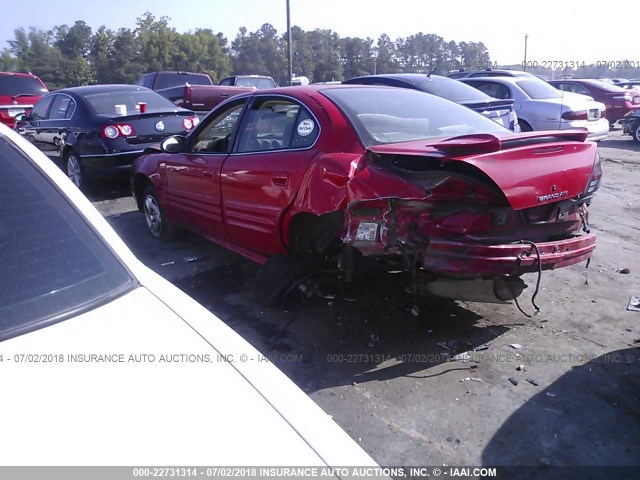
[335, 342]
[588, 417]
[101, 190]
[620, 143]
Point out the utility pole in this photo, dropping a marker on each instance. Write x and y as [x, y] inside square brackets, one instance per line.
[525, 50]
[289, 57]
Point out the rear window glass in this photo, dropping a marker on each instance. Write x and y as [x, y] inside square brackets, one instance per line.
[167, 80]
[389, 115]
[608, 87]
[19, 85]
[259, 83]
[538, 89]
[53, 263]
[453, 90]
[105, 102]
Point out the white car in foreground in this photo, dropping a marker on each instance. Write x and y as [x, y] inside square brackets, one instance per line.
[540, 106]
[103, 362]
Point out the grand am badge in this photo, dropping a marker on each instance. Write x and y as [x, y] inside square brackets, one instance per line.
[553, 196]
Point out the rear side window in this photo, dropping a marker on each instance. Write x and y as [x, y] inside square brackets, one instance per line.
[276, 124]
[53, 264]
[62, 108]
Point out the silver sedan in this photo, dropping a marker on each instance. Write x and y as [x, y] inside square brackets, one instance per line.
[540, 106]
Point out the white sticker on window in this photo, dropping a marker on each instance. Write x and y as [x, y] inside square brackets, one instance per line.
[305, 128]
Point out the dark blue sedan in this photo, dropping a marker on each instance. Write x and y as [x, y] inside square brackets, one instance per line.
[500, 110]
[98, 131]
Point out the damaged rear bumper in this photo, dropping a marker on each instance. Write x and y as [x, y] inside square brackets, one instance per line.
[450, 257]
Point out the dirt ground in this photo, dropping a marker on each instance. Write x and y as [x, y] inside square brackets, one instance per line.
[560, 388]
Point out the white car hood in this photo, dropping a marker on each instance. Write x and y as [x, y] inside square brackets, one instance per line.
[149, 413]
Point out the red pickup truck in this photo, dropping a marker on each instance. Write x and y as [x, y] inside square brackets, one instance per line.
[196, 91]
[19, 92]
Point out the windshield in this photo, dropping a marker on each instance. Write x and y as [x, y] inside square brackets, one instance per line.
[105, 102]
[53, 263]
[538, 89]
[259, 83]
[389, 115]
[18, 84]
[453, 90]
[175, 79]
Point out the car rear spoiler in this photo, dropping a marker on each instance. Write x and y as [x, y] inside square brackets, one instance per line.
[476, 144]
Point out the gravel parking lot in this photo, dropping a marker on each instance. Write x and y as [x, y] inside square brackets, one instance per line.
[561, 388]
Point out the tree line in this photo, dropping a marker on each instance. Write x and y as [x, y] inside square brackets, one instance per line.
[76, 55]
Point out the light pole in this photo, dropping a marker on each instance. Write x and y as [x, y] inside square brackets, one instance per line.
[289, 61]
[525, 51]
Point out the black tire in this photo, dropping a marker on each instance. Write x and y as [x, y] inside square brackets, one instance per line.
[74, 169]
[277, 278]
[157, 224]
[524, 126]
[635, 132]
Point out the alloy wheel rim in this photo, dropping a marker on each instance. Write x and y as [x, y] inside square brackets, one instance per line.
[152, 215]
[73, 170]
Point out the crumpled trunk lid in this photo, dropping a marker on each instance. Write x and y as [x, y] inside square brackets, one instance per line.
[531, 169]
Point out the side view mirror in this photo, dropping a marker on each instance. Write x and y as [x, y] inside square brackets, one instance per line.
[173, 144]
[21, 117]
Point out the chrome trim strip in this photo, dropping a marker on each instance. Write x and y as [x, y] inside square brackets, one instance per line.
[119, 154]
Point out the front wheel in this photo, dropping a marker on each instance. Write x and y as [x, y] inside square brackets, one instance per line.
[157, 223]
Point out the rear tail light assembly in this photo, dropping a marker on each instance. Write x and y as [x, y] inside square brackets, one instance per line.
[117, 130]
[580, 115]
[626, 97]
[190, 123]
[595, 177]
[513, 120]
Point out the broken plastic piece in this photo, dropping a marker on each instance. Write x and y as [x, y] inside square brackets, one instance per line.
[634, 304]
[462, 357]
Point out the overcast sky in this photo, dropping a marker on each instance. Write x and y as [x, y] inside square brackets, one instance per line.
[556, 31]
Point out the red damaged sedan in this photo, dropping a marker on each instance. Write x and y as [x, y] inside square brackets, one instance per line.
[324, 177]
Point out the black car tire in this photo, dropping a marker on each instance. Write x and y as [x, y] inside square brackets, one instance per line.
[277, 278]
[74, 170]
[524, 126]
[157, 223]
[635, 132]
